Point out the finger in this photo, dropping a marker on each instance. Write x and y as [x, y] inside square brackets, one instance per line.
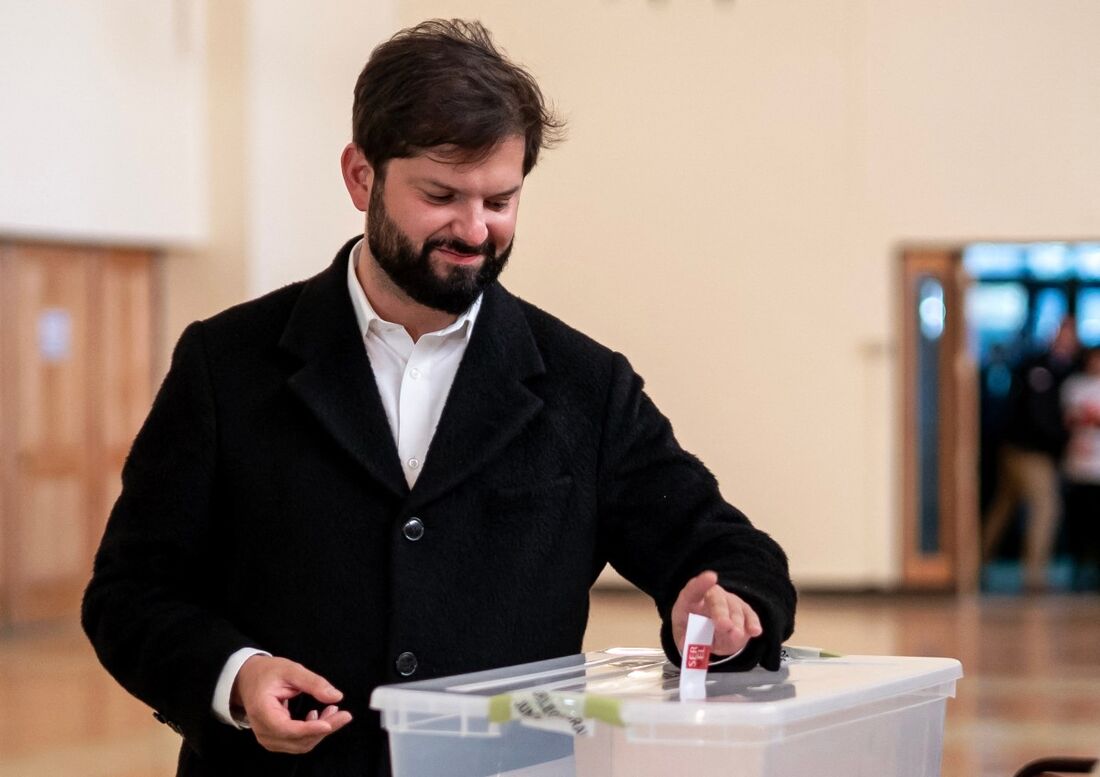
[753, 627]
[312, 715]
[338, 720]
[693, 592]
[716, 606]
[289, 733]
[283, 745]
[744, 625]
[731, 636]
[727, 617]
[301, 736]
[312, 683]
[329, 711]
[690, 600]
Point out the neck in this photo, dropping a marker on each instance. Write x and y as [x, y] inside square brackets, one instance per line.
[394, 305]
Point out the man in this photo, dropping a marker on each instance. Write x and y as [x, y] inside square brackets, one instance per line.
[399, 470]
[1035, 438]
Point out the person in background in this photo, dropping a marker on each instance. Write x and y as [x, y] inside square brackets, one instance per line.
[399, 470]
[1035, 437]
[1081, 466]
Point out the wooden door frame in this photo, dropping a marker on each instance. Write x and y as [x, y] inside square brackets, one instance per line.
[957, 566]
[8, 558]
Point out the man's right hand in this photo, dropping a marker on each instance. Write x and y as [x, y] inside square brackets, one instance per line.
[263, 689]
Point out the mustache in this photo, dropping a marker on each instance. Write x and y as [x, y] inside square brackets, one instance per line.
[459, 247]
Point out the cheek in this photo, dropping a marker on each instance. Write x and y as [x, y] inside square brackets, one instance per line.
[418, 224]
[501, 232]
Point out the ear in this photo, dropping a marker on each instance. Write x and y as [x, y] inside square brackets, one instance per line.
[358, 175]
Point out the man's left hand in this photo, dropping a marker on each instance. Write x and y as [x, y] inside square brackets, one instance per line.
[735, 622]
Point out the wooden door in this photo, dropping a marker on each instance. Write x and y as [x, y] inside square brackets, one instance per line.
[75, 351]
[940, 425]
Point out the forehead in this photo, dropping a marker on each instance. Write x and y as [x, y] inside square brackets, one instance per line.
[499, 166]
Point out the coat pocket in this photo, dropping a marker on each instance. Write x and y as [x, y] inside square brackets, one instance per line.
[529, 522]
[532, 496]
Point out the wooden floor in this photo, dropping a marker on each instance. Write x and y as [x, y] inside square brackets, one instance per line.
[1032, 684]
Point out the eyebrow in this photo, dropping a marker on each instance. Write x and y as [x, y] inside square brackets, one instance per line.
[448, 187]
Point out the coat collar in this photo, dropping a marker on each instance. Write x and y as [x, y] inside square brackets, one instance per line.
[489, 403]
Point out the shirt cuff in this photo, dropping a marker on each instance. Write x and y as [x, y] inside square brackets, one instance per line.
[224, 688]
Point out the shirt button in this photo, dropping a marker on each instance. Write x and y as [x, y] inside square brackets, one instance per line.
[406, 664]
[413, 463]
[414, 373]
[413, 529]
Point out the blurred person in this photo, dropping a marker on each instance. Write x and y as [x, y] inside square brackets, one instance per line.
[1081, 401]
[1035, 437]
[399, 470]
[995, 382]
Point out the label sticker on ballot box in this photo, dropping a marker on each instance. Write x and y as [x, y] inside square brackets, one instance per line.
[566, 713]
[551, 711]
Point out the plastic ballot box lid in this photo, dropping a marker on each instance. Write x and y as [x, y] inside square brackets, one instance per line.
[887, 709]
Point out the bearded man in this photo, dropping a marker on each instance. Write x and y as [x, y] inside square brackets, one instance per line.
[397, 469]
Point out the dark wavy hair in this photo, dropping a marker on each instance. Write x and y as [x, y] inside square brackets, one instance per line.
[444, 83]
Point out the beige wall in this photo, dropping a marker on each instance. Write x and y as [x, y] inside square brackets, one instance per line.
[280, 79]
[725, 211]
[728, 207]
[200, 280]
[303, 59]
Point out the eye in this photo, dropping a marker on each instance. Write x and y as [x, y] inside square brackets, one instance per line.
[439, 199]
[497, 205]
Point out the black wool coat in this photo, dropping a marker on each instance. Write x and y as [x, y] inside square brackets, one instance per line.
[263, 505]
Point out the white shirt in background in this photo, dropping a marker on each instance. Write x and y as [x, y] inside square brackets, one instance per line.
[1081, 395]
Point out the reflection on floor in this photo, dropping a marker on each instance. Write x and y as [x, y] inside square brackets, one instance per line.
[1032, 685]
[1006, 576]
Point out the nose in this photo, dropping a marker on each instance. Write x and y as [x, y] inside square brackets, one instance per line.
[470, 226]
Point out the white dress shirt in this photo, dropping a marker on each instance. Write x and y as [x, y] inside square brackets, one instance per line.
[413, 380]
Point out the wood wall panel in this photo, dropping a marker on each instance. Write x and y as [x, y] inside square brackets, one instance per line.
[75, 383]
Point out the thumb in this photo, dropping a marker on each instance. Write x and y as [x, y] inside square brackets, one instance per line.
[313, 684]
[697, 587]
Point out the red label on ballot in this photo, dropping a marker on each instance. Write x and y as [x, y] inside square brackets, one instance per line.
[698, 656]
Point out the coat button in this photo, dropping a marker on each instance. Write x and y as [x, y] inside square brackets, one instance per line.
[406, 664]
[413, 529]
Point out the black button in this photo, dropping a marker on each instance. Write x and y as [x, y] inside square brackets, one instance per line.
[406, 664]
[413, 529]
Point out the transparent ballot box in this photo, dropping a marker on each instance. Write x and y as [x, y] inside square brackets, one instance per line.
[618, 714]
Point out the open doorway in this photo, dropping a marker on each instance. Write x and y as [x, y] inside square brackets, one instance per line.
[978, 321]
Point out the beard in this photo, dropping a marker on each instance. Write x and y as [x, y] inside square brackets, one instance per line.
[452, 289]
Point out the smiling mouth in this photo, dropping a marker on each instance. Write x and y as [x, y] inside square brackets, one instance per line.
[457, 257]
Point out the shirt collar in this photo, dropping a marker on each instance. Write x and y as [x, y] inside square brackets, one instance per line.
[365, 315]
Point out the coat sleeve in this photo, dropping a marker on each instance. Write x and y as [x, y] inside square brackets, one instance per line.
[151, 609]
[664, 521]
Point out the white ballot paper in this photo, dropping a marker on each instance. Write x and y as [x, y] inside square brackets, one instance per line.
[696, 657]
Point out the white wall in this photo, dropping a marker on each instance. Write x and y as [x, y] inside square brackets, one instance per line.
[103, 107]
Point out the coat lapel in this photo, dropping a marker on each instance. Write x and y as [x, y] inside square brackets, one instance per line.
[335, 380]
[488, 404]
